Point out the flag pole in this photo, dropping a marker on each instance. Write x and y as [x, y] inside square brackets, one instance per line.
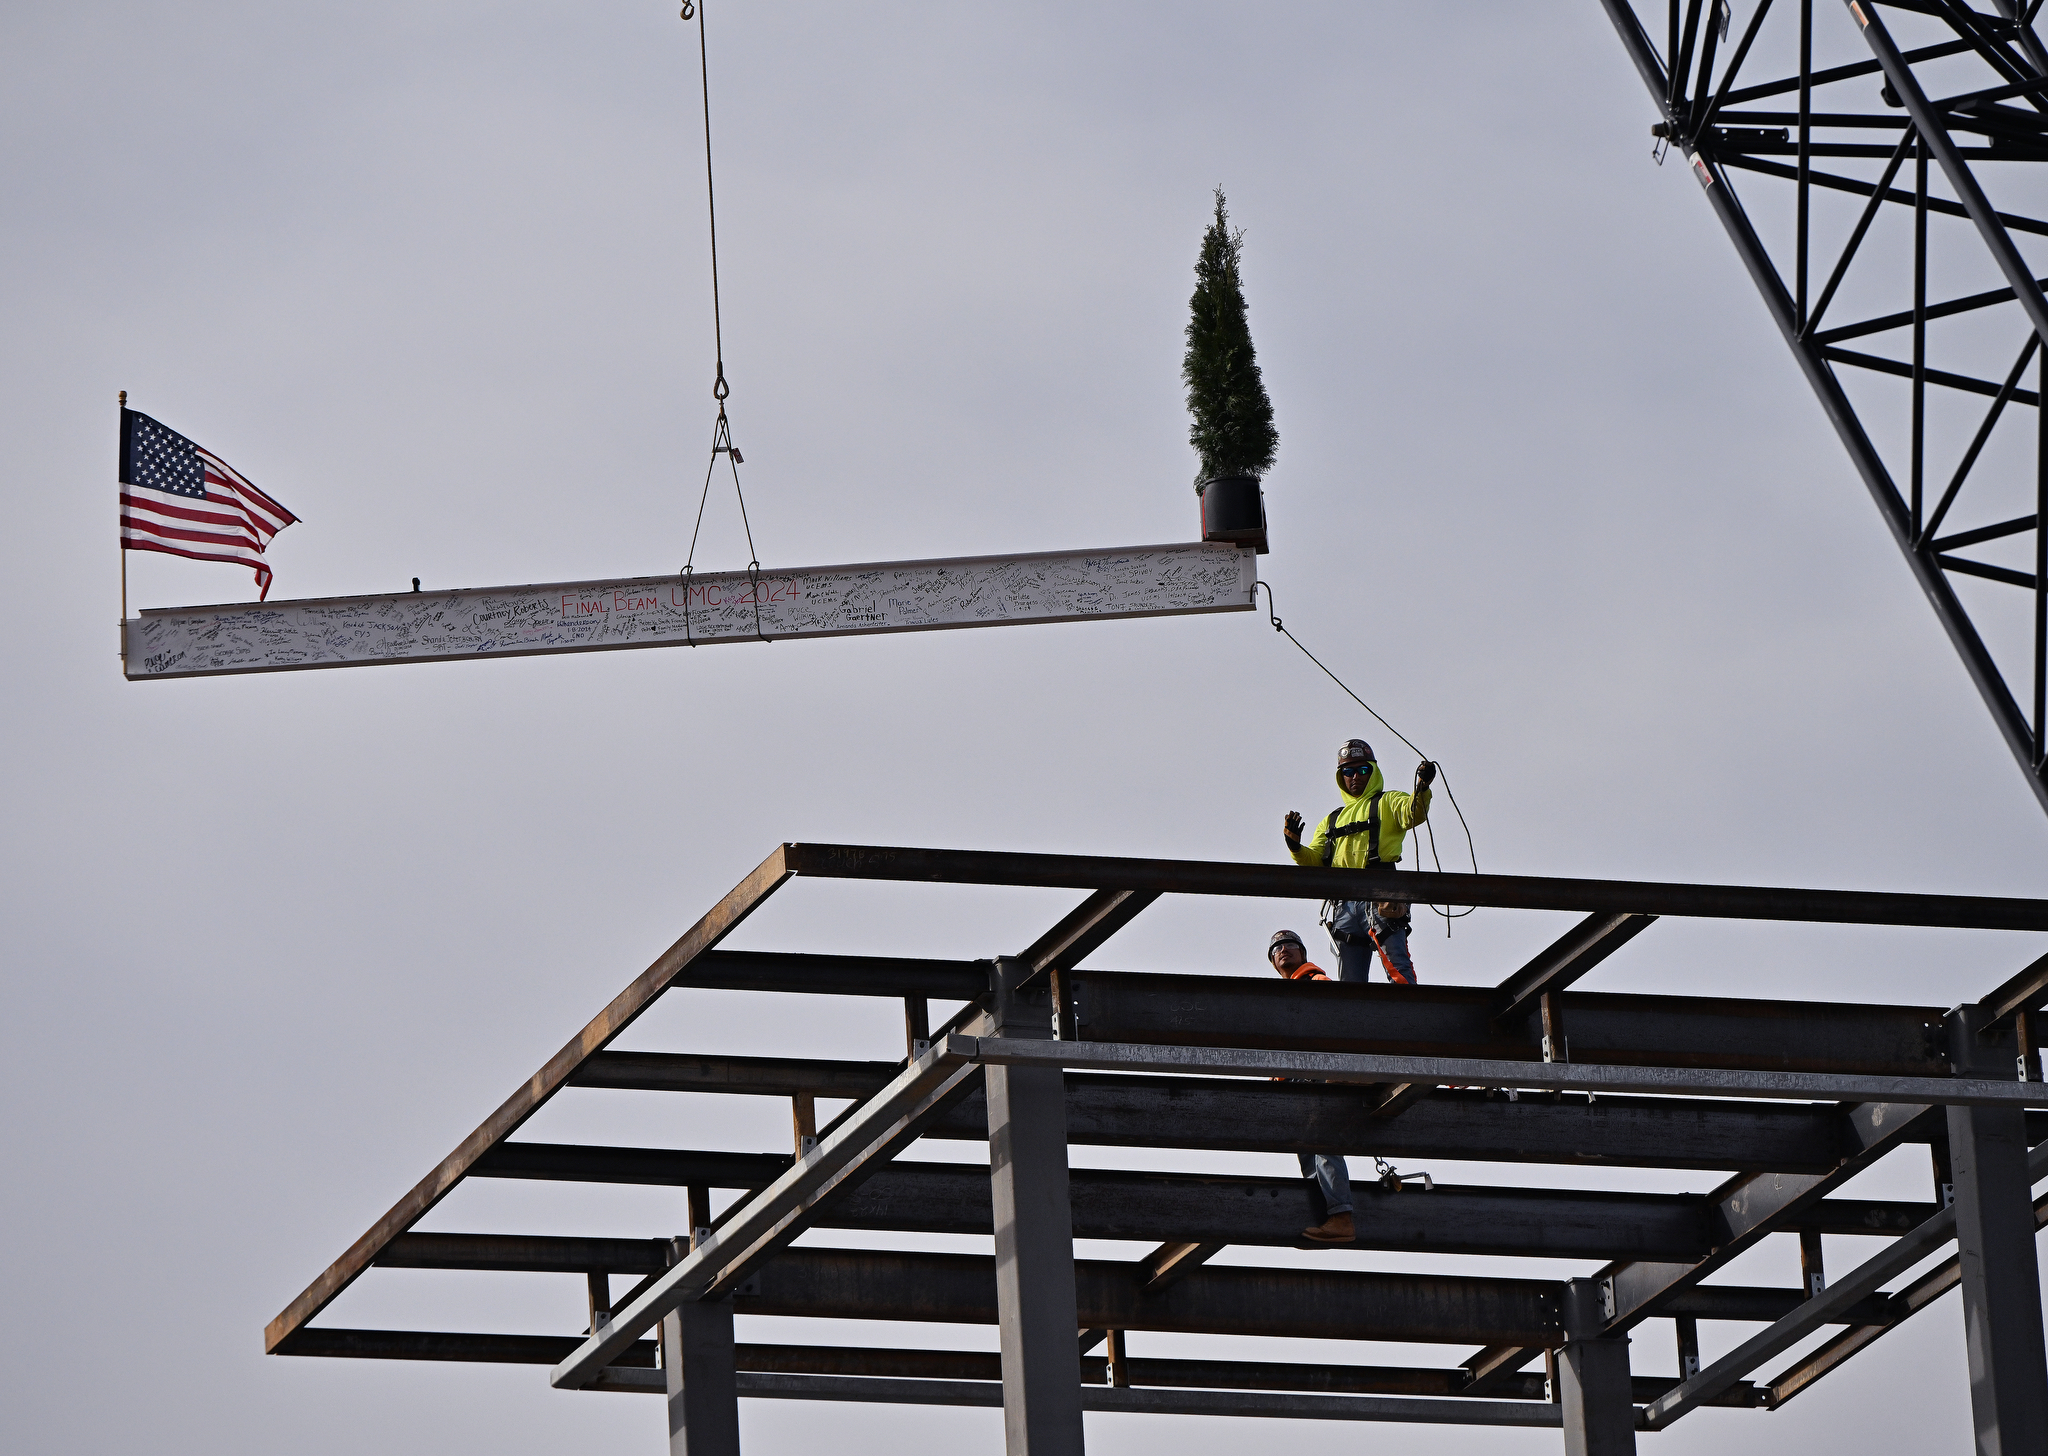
[119, 539]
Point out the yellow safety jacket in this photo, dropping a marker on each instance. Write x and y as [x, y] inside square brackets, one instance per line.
[1368, 830]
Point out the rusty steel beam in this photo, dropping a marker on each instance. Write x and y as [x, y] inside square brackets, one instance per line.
[1225, 1115]
[486, 1349]
[1741, 1212]
[1810, 1315]
[1293, 1303]
[720, 921]
[2027, 991]
[1461, 1021]
[1904, 1305]
[806, 973]
[1083, 931]
[877, 1363]
[1188, 1213]
[1750, 1206]
[741, 1076]
[525, 1253]
[1232, 1115]
[1516, 892]
[764, 1223]
[1565, 960]
[1193, 1212]
[1172, 1262]
[661, 1167]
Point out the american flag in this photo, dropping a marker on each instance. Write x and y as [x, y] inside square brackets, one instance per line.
[180, 499]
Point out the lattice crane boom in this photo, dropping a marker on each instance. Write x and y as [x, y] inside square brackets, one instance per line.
[1960, 126]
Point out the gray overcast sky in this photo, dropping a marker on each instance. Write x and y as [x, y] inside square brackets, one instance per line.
[1550, 493]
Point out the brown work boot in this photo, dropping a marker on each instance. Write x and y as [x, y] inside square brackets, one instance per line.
[1336, 1229]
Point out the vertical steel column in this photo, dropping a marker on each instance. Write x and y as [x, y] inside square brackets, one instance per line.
[1688, 1330]
[1995, 1244]
[917, 1026]
[1593, 1380]
[703, 1393]
[1813, 1276]
[1036, 1307]
[1801, 226]
[1119, 1361]
[2041, 579]
[1918, 468]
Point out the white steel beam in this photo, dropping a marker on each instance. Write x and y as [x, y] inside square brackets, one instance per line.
[666, 611]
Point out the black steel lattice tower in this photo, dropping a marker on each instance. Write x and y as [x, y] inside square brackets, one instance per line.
[1937, 110]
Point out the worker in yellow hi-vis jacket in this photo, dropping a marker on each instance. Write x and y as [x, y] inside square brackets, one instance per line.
[1365, 832]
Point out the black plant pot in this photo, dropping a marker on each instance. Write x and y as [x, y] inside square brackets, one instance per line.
[1234, 510]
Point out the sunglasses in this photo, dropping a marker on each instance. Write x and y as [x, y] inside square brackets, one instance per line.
[1353, 770]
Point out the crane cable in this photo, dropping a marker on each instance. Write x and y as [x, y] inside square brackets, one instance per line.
[1447, 912]
[721, 432]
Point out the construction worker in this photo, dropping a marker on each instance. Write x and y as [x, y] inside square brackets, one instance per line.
[1365, 832]
[1289, 957]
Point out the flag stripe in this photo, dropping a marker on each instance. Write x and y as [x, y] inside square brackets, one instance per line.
[225, 491]
[263, 572]
[144, 506]
[143, 543]
[242, 483]
[131, 527]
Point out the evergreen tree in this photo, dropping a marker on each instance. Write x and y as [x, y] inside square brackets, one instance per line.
[1232, 429]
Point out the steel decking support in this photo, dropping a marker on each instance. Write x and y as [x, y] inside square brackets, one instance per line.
[1036, 1304]
[2000, 1276]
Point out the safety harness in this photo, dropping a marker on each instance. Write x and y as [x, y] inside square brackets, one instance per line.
[1332, 832]
[1368, 826]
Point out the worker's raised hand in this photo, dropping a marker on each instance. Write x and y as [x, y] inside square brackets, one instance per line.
[1291, 827]
[1425, 774]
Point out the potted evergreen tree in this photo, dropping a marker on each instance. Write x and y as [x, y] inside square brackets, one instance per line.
[1232, 429]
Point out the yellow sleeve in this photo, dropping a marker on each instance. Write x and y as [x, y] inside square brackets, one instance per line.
[1405, 811]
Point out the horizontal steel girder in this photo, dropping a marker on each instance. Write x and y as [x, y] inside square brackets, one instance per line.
[1232, 1115]
[871, 1362]
[1178, 579]
[1458, 1021]
[814, 974]
[1206, 1010]
[1289, 1303]
[1159, 1208]
[1512, 892]
[1367, 1069]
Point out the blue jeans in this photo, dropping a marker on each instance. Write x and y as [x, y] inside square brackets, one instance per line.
[1355, 925]
[1333, 1181]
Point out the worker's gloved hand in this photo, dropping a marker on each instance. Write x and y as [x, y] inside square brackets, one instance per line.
[1291, 827]
[1425, 774]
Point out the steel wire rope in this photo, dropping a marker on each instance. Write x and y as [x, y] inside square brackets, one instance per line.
[1447, 912]
[721, 432]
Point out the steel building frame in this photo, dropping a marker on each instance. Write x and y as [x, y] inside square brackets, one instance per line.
[1789, 1099]
[1962, 96]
